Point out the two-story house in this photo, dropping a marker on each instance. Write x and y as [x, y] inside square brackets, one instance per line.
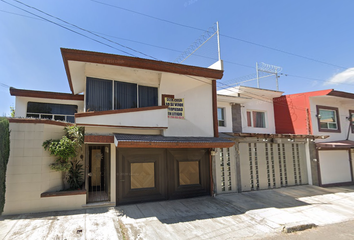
[261, 158]
[150, 128]
[327, 112]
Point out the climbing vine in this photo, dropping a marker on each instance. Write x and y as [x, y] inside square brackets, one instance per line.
[4, 158]
[67, 150]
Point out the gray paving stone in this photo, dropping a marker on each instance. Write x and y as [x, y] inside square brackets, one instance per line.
[251, 215]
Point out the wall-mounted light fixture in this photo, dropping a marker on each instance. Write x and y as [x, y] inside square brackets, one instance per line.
[213, 152]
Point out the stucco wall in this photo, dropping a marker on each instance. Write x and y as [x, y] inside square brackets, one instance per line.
[262, 106]
[110, 130]
[343, 105]
[29, 175]
[197, 94]
[151, 118]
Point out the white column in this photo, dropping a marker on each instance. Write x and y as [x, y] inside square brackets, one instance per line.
[113, 173]
[308, 161]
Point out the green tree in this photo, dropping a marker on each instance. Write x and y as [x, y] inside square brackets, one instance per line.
[12, 109]
[66, 150]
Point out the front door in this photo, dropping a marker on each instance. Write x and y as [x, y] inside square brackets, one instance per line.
[160, 174]
[98, 174]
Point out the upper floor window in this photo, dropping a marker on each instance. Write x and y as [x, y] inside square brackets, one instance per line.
[102, 95]
[256, 119]
[351, 116]
[61, 112]
[221, 117]
[328, 119]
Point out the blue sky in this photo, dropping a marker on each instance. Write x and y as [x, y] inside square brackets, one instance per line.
[282, 33]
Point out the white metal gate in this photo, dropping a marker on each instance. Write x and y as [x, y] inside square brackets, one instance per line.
[225, 170]
[261, 166]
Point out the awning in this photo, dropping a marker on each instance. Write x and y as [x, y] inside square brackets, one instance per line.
[158, 141]
[344, 144]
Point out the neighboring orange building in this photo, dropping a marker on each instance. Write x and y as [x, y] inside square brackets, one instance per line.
[327, 112]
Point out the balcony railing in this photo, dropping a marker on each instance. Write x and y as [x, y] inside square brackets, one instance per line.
[57, 117]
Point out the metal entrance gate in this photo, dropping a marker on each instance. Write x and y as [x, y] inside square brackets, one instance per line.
[98, 174]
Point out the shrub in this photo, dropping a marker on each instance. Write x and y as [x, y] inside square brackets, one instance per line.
[4, 158]
[66, 150]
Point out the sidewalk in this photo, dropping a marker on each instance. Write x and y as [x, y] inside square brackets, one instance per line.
[251, 215]
[337, 231]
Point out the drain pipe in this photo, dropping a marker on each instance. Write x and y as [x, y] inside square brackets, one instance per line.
[213, 171]
[350, 125]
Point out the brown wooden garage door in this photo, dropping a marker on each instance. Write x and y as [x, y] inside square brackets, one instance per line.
[161, 174]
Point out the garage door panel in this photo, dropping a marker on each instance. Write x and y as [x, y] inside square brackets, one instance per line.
[334, 166]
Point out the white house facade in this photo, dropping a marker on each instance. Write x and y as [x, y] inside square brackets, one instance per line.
[260, 158]
[150, 128]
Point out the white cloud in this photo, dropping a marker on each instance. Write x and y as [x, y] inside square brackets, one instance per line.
[346, 76]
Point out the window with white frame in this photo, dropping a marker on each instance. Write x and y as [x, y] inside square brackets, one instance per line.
[256, 119]
[221, 117]
[328, 119]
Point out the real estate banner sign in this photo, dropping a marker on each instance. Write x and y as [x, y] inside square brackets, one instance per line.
[175, 107]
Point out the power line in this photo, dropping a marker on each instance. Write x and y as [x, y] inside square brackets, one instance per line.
[81, 33]
[147, 44]
[136, 41]
[83, 29]
[282, 51]
[230, 37]
[146, 15]
[239, 64]
[4, 85]
[20, 15]
[68, 28]
[94, 34]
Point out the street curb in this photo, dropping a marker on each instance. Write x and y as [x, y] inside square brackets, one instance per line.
[296, 227]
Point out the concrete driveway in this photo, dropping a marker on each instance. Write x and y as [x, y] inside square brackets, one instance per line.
[250, 215]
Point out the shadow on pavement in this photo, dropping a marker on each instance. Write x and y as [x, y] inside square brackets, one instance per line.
[186, 210]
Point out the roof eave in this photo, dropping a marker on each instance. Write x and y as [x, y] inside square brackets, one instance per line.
[42, 94]
[341, 94]
[134, 62]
